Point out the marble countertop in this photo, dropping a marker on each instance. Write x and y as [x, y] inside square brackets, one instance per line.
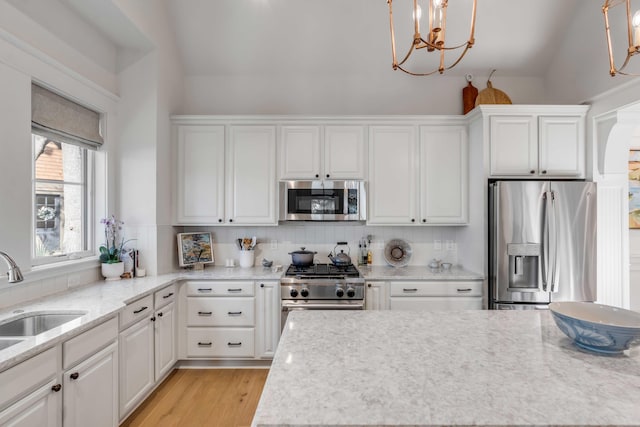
[391, 368]
[102, 300]
[382, 272]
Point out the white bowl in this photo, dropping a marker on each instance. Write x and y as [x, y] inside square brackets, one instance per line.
[597, 327]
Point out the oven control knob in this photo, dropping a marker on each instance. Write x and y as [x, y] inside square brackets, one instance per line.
[339, 292]
[293, 293]
[351, 292]
[304, 292]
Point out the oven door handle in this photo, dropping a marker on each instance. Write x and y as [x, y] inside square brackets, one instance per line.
[322, 306]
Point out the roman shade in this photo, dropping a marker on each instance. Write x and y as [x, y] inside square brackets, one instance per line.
[58, 118]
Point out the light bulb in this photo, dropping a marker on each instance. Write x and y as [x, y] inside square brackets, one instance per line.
[437, 15]
[417, 11]
[635, 22]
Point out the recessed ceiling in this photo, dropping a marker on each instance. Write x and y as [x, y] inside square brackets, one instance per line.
[295, 37]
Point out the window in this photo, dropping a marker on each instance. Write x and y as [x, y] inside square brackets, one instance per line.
[61, 199]
[63, 137]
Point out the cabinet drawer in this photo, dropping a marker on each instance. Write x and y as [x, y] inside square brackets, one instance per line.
[220, 311]
[436, 289]
[136, 310]
[23, 378]
[219, 289]
[164, 296]
[220, 342]
[89, 342]
[436, 303]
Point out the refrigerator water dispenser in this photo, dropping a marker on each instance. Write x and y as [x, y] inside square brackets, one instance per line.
[524, 259]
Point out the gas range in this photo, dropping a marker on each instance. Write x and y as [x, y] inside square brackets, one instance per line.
[322, 282]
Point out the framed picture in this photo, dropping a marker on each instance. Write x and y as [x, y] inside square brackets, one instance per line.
[195, 248]
[634, 188]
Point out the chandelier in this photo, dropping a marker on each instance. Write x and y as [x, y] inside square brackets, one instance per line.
[435, 41]
[633, 34]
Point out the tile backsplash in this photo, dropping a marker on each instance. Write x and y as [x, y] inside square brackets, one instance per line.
[275, 243]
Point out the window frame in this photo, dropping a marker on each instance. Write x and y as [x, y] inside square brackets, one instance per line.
[88, 214]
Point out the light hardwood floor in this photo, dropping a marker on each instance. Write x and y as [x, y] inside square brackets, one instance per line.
[202, 397]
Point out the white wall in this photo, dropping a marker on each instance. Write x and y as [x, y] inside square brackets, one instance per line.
[21, 62]
[580, 69]
[151, 92]
[323, 94]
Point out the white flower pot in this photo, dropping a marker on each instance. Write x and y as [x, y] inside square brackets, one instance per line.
[112, 271]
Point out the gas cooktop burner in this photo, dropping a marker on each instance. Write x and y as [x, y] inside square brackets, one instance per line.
[323, 270]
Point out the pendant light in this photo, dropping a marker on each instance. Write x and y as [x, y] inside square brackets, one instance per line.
[435, 40]
[632, 17]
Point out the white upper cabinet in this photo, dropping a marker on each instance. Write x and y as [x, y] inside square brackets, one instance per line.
[251, 179]
[418, 182]
[344, 152]
[561, 145]
[322, 152]
[393, 175]
[300, 152]
[514, 145]
[200, 174]
[225, 175]
[536, 141]
[443, 175]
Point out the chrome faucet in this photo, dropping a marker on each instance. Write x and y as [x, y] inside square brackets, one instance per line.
[14, 274]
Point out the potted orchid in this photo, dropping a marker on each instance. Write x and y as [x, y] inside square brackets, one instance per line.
[111, 250]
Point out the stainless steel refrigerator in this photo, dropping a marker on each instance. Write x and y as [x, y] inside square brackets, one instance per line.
[542, 243]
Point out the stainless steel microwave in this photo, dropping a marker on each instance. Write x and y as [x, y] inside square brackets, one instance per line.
[323, 201]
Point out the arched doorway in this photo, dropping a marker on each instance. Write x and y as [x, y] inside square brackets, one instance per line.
[615, 133]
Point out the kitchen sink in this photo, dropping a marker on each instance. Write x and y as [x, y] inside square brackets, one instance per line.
[4, 343]
[34, 324]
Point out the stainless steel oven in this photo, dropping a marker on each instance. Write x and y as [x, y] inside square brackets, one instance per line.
[321, 287]
[323, 201]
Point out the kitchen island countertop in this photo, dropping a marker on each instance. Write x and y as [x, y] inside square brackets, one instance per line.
[402, 368]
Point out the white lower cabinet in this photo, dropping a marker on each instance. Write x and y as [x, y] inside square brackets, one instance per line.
[267, 319]
[90, 396]
[40, 408]
[137, 374]
[73, 384]
[165, 339]
[435, 295]
[220, 342]
[220, 319]
[376, 296]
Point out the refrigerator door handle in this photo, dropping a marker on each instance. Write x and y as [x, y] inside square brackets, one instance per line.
[544, 256]
[554, 234]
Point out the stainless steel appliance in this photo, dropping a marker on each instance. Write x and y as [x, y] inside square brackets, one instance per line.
[321, 287]
[323, 201]
[542, 243]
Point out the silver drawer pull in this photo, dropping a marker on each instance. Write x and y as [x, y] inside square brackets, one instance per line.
[234, 313]
[167, 295]
[234, 290]
[205, 344]
[465, 290]
[205, 313]
[409, 290]
[205, 289]
[234, 344]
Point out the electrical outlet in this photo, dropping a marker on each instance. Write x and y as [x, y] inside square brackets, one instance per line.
[449, 244]
[274, 244]
[437, 245]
